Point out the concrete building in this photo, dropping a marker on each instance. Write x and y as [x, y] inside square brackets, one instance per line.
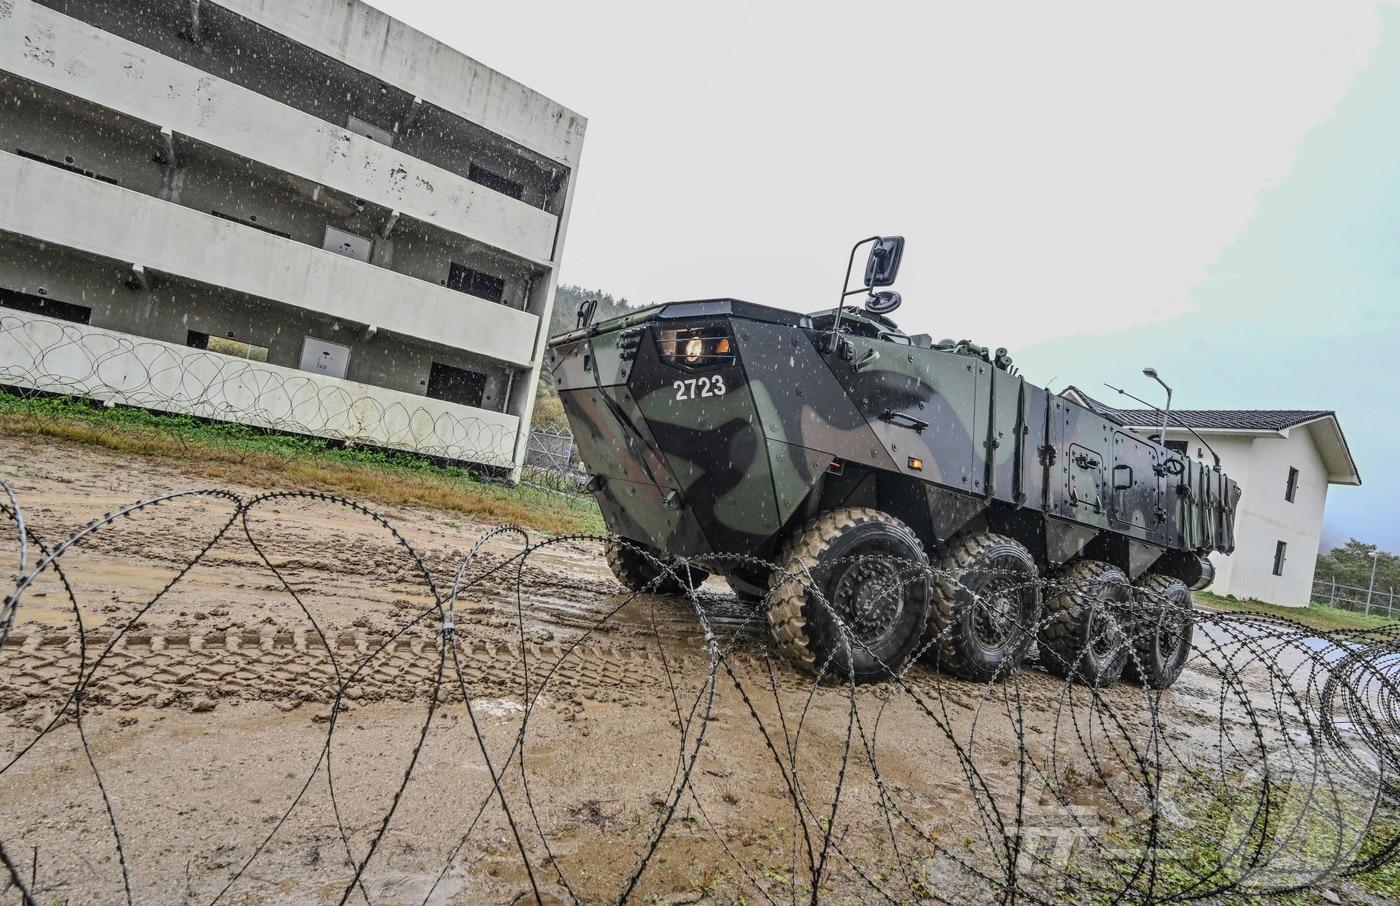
[1284, 461]
[293, 200]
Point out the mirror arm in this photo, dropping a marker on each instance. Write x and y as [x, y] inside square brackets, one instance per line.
[846, 291]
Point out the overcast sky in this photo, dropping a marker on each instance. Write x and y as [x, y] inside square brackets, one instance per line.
[1211, 188]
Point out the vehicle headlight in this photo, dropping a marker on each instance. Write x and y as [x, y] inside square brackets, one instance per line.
[696, 347]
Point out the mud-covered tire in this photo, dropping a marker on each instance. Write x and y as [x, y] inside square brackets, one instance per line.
[830, 549]
[1163, 628]
[630, 564]
[1083, 634]
[985, 608]
[747, 592]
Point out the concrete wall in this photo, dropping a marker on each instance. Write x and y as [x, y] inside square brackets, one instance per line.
[168, 308]
[41, 121]
[55, 356]
[370, 41]
[69, 56]
[315, 83]
[1260, 463]
[51, 205]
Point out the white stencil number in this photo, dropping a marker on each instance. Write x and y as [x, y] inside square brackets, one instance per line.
[696, 388]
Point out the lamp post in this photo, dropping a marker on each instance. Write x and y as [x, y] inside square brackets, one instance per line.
[1375, 558]
[1152, 373]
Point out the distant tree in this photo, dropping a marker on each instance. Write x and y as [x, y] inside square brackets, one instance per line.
[568, 298]
[1350, 564]
[549, 412]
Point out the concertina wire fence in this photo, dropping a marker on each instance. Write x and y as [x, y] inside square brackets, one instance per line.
[1267, 770]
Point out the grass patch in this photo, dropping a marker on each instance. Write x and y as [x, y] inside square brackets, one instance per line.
[250, 456]
[549, 409]
[1238, 842]
[1315, 616]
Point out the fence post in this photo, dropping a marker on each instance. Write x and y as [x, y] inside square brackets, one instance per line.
[1333, 602]
[1390, 608]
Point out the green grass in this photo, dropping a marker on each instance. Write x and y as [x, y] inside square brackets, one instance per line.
[549, 409]
[1315, 616]
[250, 456]
[1222, 836]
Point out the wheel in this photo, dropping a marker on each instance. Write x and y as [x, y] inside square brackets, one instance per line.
[744, 589]
[637, 571]
[1082, 635]
[1162, 631]
[986, 604]
[868, 577]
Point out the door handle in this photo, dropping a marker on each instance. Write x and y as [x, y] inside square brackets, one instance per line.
[901, 420]
[1122, 487]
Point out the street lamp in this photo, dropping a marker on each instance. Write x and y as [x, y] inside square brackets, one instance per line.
[1152, 373]
[1375, 558]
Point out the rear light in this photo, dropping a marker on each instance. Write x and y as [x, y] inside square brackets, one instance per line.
[696, 347]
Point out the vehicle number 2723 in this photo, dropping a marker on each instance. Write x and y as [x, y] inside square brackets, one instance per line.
[695, 388]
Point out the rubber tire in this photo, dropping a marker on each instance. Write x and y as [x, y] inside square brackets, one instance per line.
[1089, 591]
[807, 632]
[637, 573]
[745, 591]
[1151, 666]
[966, 567]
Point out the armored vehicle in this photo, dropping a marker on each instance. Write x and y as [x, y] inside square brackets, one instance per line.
[914, 496]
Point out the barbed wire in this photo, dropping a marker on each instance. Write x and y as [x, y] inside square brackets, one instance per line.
[56, 358]
[1269, 769]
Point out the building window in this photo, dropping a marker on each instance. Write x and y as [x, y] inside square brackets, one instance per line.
[495, 181]
[65, 164]
[1280, 555]
[475, 283]
[1177, 446]
[251, 222]
[1292, 490]
[41, 305]
[226, 346]
[456, 385]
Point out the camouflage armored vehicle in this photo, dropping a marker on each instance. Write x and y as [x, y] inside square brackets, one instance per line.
[914, 496]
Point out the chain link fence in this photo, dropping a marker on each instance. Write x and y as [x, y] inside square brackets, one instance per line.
[1372, 600]
[552, 461]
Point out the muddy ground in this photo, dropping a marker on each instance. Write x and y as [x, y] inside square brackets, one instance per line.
[212, 714]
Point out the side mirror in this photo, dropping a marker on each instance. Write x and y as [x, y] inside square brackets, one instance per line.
[883, 266]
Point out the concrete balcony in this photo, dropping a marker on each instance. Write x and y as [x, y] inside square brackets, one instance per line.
[66, 209]
[67, 55]
[368, 40]
[54, 356]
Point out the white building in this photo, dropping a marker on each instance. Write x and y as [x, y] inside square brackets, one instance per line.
[1284, 461]
[302, 214]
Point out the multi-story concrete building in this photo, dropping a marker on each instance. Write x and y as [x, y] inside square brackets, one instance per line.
[1284, 461]
[348, 210]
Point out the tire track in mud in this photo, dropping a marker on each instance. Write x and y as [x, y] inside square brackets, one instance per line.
[180, 668]
[295, 667]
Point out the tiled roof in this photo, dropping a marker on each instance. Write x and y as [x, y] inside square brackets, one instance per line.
[1227, 419]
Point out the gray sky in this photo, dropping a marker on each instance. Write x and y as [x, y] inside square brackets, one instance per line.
[1212, 188]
